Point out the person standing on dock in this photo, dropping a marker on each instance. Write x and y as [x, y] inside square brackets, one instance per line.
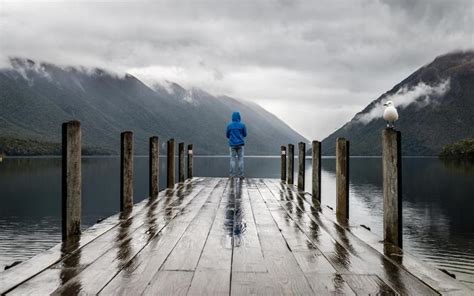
[236, 132]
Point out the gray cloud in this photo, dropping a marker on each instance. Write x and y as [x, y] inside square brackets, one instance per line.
[313, 63]
[420, 95]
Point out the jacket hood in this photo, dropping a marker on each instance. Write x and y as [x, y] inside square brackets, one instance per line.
[236, 116]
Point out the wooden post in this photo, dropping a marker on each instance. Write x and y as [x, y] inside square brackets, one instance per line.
[342, 179]
[71, 179]
[170, 161]
[392, 186]
[181, 162]
[154, 168]
[126, 171]
[190, 161]
[283, 163]
[316, 171]
[291, 163]
[301, 165]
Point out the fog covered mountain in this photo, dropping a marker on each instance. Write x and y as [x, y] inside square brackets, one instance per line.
[435, 105]
[36, 98]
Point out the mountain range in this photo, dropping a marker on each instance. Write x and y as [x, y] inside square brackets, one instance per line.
[435, 106]
[35, 98]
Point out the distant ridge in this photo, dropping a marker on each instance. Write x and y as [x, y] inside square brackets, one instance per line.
[435, 104]
[35, 98]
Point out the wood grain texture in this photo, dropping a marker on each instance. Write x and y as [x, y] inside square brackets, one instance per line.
[301, 165]
[291, 164]
[342, 179]
[71, 180]
[126, 171]
[392, 186]
[316, 171]
[154, 167]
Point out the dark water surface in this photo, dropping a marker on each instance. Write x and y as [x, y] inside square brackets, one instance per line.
[438, 201]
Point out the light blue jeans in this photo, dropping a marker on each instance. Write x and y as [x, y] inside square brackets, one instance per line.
[236, 159]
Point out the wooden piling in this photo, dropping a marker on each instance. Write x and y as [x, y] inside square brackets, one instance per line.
[190, 161]
[316, 171]
[71, 179]
[181, 167]
[342, 179]
[291, 163]
[154, 167]
[301, 165]
[126, 171]
[170, 161]
[283, 163]
[392, 186]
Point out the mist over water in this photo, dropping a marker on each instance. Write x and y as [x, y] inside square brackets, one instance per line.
[437, 201]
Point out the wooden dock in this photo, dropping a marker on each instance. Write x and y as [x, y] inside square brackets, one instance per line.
[216, 236]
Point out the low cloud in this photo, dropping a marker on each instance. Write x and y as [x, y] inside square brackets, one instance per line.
[420, 95]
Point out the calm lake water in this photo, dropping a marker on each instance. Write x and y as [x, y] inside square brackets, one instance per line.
[438, 201]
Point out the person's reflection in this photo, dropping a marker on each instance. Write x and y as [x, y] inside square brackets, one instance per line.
[239, 221]
[229, 213]
[70, 267]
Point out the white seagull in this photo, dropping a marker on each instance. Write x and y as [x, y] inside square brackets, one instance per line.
[390, 114]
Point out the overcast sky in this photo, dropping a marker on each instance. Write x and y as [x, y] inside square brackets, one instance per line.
[312, 63]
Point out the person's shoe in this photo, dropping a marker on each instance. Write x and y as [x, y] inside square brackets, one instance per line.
[241, 177]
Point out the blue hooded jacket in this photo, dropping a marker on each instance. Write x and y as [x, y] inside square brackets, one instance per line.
[236, 131]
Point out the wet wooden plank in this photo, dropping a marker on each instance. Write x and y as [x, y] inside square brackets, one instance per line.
[247, 255]
[298, 235]
[313, 262]
[15, 276]
[355, 254]
[186, 253]
[169, 283]
[330, 284]
[210, 282]
[244, 283]
[368, 284]
[109, 253]
[134, 278]
[212, 275]
[278, 258]
[435, 278]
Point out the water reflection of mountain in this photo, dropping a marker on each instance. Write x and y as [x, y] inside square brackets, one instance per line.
[459, 166]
